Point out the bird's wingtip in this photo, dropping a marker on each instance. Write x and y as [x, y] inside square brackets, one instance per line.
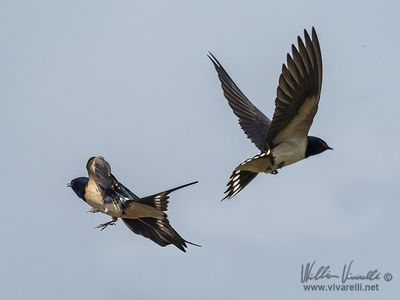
[214, 60]
[227, 197]
[191, 243]
[191, 183]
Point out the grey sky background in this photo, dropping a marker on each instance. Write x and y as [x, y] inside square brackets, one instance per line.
[131, 81]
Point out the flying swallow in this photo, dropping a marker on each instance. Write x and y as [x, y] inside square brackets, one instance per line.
[145, 216]
[284, 140]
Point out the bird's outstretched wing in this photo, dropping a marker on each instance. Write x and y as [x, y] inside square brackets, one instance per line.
[253, 122]
[157, 230]
[298, 92]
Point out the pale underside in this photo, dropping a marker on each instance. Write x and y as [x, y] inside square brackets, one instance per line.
[134, 210]
[284, 154]
[291, 143]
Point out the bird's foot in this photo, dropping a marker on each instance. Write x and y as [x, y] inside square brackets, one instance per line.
[104, 225]
[93, 211]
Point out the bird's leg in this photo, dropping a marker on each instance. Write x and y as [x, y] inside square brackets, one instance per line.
[104, 225]
[93, 211]
[274, 172]
[271, 156]
[280, 166]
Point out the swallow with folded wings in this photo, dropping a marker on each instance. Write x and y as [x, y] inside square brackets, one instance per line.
[145, 216]
[284, 140]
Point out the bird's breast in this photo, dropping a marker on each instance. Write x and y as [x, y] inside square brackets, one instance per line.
[93, 196]
[289, 152]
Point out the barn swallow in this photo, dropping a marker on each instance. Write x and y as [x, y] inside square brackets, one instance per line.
[145, 216]
[284, 140]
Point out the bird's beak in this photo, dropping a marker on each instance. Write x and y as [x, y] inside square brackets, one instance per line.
[69, 184]
[329, 148]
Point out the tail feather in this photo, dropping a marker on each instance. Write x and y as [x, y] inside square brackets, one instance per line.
[247, 171]
[160, 200]
[158, 229]
[237, 182]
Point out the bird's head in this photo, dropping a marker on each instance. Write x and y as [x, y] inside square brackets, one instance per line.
[78, 185]
[315, 145]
